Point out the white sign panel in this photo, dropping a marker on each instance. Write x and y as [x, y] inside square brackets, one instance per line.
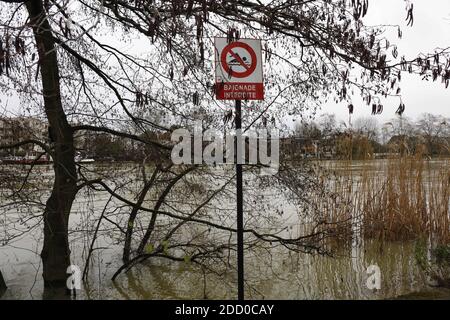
[239, 72]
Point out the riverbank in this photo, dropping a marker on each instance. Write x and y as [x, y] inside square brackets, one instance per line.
[430, 294]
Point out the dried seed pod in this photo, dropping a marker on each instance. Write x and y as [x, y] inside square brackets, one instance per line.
[199, 24]
[139, 99]
[410, 16]
[196, 99]
[171, 74]
[374, 109]
[169, 45]
[371, 41]
[380, 109]
[350, 108]
[7, 63]
[2, 57]
[202, 53]
[228, 116]
[18, 44]
[395, 52]
[446, 78]
[365, 7]
[435, 74]
[185, 71]
[401, 109]
[237, 34]
[393, 83]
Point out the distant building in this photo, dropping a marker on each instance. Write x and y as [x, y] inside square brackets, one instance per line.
[405, 144]
[17, 129]
[295, 148]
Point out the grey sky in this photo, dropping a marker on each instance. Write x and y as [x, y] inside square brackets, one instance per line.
[431, 30]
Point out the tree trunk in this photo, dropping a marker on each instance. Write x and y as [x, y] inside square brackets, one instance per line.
[3, 286]
[55, 253]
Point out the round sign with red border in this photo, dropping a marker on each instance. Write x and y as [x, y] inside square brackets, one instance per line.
[249, 69]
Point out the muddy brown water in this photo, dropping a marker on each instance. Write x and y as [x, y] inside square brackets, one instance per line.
[275, 275]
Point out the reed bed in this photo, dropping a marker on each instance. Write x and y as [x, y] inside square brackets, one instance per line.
[404, 197]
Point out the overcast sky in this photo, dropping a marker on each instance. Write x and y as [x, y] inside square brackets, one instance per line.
[431, 30]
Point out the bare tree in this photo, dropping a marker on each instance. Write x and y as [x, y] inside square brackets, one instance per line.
[435, 130]
[368, 127]
[329, 125]
[61, 58]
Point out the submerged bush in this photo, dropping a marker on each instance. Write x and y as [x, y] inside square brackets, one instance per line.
[435, 262]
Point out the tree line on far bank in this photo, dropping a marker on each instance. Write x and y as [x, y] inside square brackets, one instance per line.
[429, 134]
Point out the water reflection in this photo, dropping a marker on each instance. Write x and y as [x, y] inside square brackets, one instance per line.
[288, 276]
[270, 274]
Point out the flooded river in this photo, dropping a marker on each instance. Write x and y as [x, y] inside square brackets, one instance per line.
[270, 274]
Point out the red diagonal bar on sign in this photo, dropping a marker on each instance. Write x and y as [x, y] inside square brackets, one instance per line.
[239, 59]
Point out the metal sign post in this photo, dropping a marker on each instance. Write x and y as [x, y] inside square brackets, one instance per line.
[240, 209]
[239, 76]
